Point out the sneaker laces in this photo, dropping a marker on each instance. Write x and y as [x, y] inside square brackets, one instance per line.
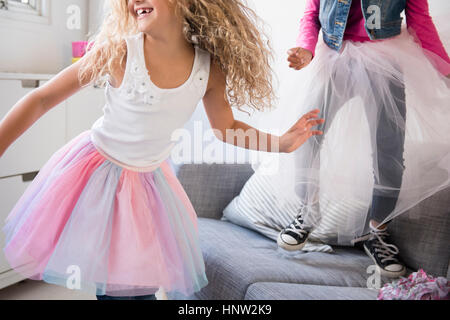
[385, 250]
[298, 226]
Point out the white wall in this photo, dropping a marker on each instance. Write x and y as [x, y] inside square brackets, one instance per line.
[38, 48]
[440, 11]
[95, 14]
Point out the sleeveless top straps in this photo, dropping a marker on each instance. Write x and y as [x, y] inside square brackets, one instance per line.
[137, 79]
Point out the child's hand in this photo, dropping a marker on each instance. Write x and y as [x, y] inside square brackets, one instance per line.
[299, 58]
[300, 132]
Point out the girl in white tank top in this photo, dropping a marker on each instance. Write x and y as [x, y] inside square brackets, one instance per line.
[139, 106]
[106, 214]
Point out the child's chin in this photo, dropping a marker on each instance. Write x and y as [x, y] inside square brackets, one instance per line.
[145, 26]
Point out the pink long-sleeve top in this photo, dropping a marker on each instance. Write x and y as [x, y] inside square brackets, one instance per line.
[417, 18]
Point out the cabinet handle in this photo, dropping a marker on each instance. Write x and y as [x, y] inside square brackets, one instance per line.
[30, 83]
[29, 176]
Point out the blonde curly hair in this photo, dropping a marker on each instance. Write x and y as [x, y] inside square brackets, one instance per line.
[228, 29]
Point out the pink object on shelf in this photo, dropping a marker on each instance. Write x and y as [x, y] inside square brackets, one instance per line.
[79, 49]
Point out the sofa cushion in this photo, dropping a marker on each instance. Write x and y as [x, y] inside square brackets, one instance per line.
[293, 291]
[210, 187]
[423, 235]
[236, 257]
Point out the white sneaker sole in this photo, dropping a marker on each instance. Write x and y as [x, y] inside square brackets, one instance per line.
[289, 247]
[389, 274]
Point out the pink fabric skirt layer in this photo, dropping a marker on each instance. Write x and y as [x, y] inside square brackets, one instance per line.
[87, 223]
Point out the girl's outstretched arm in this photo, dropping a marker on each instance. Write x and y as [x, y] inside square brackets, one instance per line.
[238, 133]
[36, 103]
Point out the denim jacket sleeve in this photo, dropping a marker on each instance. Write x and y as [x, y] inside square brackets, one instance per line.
[309, 26]
[418, 19]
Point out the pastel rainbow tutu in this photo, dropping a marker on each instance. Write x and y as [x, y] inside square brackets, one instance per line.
[87, 223]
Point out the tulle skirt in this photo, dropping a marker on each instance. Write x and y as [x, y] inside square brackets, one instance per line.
[87, 223]
[386, 142]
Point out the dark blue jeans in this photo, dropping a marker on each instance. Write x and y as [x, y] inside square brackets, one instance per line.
[148, 297]
[389, 145]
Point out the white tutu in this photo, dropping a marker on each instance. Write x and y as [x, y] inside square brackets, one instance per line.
[386, 145]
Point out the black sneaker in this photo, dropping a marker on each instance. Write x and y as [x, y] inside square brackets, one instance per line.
[383, 254]
[294, 236]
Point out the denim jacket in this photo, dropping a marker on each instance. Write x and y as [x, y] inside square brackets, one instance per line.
[382, 19]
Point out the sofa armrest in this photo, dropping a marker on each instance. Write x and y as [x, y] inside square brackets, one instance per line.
[211, 187]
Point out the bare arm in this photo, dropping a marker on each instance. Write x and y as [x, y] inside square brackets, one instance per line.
[36, 103]
[239, 134]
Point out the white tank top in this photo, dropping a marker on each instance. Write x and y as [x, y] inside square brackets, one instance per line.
[139, 117]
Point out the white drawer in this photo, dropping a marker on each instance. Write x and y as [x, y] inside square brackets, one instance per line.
[11, 189]
[33, 148]
[83, 109]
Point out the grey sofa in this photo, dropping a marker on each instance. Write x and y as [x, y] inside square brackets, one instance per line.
[242, 264]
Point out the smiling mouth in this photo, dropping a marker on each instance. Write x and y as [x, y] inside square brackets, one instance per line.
[143, 12]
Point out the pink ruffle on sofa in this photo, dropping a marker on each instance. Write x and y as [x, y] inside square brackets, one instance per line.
[418, 286]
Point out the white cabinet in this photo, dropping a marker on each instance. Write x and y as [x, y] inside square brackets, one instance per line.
[35, 147]
[32, 149]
